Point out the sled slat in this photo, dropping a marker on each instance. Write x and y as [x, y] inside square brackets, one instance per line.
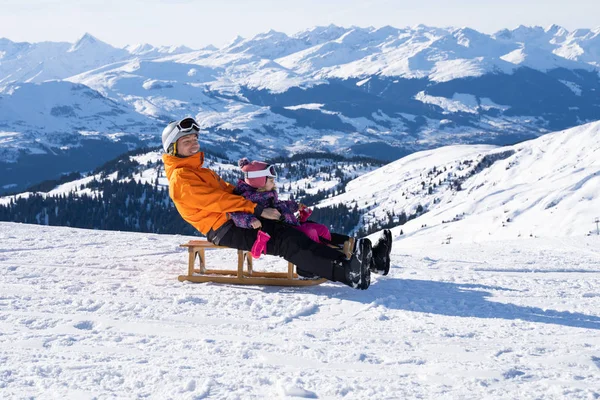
[240, 276]
[252, 280]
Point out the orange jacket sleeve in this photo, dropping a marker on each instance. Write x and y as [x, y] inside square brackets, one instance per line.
[215, 196]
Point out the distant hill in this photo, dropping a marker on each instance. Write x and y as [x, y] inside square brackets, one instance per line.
[130, 193]
[549, 186]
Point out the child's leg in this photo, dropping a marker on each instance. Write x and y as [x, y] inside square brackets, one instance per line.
[308, 231]
[321, 229]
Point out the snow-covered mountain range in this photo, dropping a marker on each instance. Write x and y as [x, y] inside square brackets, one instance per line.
[383, 93]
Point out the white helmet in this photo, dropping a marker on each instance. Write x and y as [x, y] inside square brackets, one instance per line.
[177, 129]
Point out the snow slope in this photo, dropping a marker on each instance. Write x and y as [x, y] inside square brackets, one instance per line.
[549, 186]
[98, 314]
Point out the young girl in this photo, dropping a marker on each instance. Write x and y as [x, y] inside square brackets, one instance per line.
[259, 187]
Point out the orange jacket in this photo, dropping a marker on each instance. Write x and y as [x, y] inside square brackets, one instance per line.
[202, 198]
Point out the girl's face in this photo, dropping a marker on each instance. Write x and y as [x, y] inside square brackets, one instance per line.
[270, 184]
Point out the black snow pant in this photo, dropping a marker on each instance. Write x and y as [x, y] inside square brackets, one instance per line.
[289, 243]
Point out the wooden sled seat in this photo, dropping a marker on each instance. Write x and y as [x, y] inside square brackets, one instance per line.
[243, 276]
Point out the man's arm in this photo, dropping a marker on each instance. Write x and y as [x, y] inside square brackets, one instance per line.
[194, 193]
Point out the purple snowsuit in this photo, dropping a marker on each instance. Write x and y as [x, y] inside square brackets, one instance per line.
[287, 209]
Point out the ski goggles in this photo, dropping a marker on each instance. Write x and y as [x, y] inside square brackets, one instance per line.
[268, 172]
[187, 124]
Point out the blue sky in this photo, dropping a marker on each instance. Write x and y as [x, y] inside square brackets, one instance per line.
[197, 23]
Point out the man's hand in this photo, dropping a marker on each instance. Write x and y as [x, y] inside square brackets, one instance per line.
[271, 213]
[255, 224]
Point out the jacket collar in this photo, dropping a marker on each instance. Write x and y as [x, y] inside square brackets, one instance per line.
[195, 161]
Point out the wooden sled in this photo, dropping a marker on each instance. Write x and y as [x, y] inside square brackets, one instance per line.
[243, 276]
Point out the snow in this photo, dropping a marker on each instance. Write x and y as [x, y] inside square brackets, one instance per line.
[515, 57]
[494, 292]
[7, 137]
[448, 70]
[542, 60]
[548, 187]
[363, 81]
[101, 314]
[573, 86]
[460, 102]
[488, 104]
[152, 157]
[309, 106]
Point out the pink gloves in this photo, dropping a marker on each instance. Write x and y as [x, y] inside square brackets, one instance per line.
[304, 213]
[260, 245]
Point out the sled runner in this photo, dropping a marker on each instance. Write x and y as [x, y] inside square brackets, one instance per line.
[244, 275]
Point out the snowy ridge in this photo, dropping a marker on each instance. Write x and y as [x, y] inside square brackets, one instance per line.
[549, 186]
[334, 52]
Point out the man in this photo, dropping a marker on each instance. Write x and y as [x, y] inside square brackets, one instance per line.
[204, 200]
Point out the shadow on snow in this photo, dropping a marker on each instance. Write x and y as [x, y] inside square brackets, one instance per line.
[451, 299]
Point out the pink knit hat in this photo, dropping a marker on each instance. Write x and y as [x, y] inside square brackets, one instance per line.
[256, 172]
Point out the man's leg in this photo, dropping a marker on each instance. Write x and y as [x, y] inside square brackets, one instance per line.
[313, 257]
[289, 243]
[338, 239]
[308, 255]
[318, 258]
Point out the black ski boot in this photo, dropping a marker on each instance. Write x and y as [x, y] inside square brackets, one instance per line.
[356, 272]
[380, 263]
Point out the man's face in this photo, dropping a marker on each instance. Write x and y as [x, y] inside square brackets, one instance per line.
[188, 145]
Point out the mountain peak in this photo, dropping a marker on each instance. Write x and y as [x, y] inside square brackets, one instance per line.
[87, 41]
[271, 34]
[210, 47]
[87, 38]
[320, 34]
[421, 27]
[555, 29]
[523, 29]
[237, 40]
[139, 48]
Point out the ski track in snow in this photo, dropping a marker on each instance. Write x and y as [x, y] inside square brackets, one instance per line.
[98, 314]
